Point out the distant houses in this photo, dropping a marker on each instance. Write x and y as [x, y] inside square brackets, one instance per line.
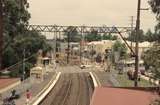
[98, 46]
[101, 46]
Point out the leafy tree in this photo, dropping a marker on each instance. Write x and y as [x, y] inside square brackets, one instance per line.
[118, 46]
[150, 36]
[31, 42]
[93, 36]
[16, 17]
[109, 37]
[155, 5]
[10, 57]
[131, 37]
[73, 34]
[151, 57]
[141, 36]
[151, 60]
[114, 38]
[17, 37]
[121, 48]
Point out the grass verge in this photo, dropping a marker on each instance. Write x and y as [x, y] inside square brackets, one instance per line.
[125, 82]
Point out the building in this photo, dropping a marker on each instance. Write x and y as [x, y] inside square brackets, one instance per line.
[100, 46]
[143, 46]
[124, 96]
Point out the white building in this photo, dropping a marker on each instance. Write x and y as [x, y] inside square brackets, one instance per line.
[100, 46]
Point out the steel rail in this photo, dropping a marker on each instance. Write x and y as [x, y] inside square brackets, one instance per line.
[64, 101]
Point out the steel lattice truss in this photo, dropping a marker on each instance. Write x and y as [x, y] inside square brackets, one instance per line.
[80, 29]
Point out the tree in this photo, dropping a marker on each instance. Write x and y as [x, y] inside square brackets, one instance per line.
[133, 35]
[109, 37]
[17, 37]
[73, 34]
[151, 57]
[155, 5]
[121, 48]
[32, 42]
[150, 36]
[152, 60]
[16, 17]
[93, 36]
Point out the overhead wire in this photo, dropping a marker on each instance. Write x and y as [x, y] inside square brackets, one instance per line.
[20, 62]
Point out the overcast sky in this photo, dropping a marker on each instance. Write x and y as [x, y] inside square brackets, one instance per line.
[89, 12]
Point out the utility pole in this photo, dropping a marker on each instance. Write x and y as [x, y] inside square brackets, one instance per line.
[81, 49]
[56, 47]
[132, 23]
[68, 49]
[137, 44]
[1, 33]
[23, 72]
[82, 45]
[92, 54]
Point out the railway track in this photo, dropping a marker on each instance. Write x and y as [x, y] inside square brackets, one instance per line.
[79, 92]
[71, 89]
[63, 92]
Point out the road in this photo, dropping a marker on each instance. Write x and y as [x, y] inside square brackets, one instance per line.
[71, 89]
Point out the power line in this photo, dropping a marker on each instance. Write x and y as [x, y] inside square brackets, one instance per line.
[21, 62]
[132, 27]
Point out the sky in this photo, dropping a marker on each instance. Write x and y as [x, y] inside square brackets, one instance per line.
[89, 12]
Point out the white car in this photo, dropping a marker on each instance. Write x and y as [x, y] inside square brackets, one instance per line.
[85, 66]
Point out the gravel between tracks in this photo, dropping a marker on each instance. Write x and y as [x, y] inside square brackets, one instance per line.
[71, 89]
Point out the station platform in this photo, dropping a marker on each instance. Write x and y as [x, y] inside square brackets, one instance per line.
[8, 83]
[123, 96]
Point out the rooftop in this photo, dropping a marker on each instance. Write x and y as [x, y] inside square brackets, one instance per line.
[122, 96]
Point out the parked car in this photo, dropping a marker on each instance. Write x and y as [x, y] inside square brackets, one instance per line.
[131, 75]
[82, 66]
[85, 66]
[142, 70]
